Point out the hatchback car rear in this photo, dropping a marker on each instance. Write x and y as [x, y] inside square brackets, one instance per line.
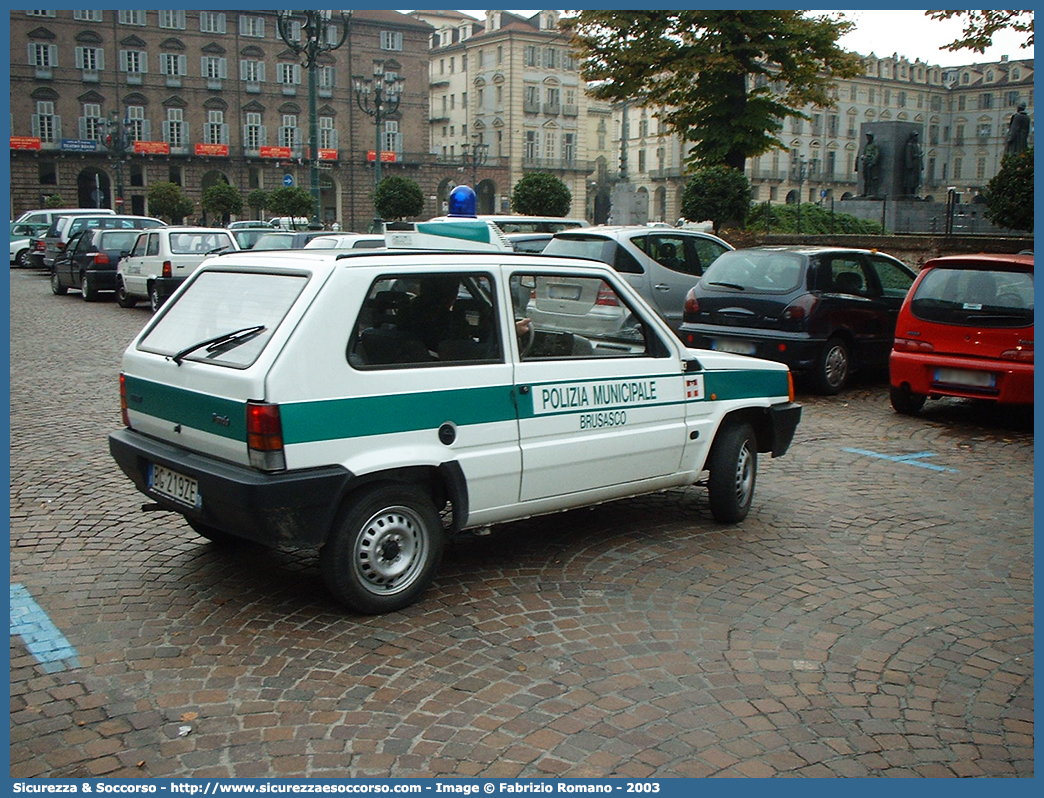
[966, 330]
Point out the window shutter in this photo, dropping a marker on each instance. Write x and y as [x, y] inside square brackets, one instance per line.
[261, 72]
[224, 133]
[32, 54]
[83, 127]
[57, 128]
[264, 136]
[297, 73]
[146, 130]
[223, 68]
[144, 61]
[34, 126]
[54, 54]
[203, 66]
[79, 58]
[182, 65]
[242, 70]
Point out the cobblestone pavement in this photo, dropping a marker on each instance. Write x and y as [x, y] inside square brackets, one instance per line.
[870, 617]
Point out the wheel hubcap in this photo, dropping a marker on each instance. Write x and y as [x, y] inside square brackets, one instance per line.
[744, 475]
[389, 553]
[836, 366]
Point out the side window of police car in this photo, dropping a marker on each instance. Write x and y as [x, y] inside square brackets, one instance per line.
[426, 320]
[576, 317]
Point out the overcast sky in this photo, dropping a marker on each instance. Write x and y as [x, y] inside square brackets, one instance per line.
[908, 33]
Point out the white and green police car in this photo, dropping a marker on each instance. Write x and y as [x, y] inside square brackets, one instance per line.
[345, 401]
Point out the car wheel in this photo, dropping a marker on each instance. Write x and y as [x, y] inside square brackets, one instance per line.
[733, 465]
[123, 299]
[22, 259]
[906, 401]
[56, 283]
[832, 369]
[87, 289]
[154, 298]
[383, 552]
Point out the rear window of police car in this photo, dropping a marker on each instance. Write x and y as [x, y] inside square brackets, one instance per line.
[244, 308]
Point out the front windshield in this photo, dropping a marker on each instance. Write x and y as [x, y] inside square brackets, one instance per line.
[217, 303]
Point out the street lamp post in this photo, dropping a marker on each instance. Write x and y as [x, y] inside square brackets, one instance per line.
[117, 139]
[385, 89]
[319, 34]
[474, 155]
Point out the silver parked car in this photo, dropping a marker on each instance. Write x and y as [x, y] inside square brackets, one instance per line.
[661, 263]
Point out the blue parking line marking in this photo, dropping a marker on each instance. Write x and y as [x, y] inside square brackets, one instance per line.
[907, 459]
[43, 639]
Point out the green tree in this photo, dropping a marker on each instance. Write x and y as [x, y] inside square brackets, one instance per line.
[1009, 195]
[258, 200]
[397, 197]
[55, 201]
[723, 80]
[222, 200]
[541, 194]
[981, 26]
[290, 201]
[718, 193]
[168, 201]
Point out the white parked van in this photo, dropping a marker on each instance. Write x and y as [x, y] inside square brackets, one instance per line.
[48, 215]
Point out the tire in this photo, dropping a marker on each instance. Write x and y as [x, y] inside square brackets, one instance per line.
[123, 299]
[87, 289]
[154, 298]
[383, 551]
[906, 401]
[213, 534]
[733, 468]
[56, 284]
[22, 259]
[833, 367]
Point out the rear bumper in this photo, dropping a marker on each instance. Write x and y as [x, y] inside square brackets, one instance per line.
[290, 509]
[103, 279]
[1012, 382]
[165, 286]
[799, 351]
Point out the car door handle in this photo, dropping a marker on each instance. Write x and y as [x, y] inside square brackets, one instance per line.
[662, 287]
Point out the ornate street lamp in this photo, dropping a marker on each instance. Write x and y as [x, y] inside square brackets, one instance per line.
[118, 140]
[378, 97]
[320, 33]
[474, 155]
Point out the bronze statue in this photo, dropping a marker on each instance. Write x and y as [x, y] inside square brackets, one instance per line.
[871, 162]
[1018, 131]
[913, 163]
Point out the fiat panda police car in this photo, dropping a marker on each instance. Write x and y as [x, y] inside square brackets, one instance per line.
[370, 404]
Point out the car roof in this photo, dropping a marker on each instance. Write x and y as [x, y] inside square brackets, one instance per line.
[1022, 262]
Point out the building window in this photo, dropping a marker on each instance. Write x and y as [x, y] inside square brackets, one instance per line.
[137, 125]
[173, 64]
[87, 16]
[986, 101]
[174, 128]
[530, 55]
[958, 135]
[326, 77]
[391, 40]
[290, 74]
[214, 129]
[980, 169]
[132, 18]
[252, 71]
[551, 59]
[641, 161]
[529, 152]
[985, 130]
[327, 133]
[871, 95]
[172, 19]
[252, 26]
[289, 135]
[43, 56]
[569, 147]
[549, 144]
[213, 67]
[46, 126]
[900, 100]
[957, 164]
[134, 62]
[91, 123]
[211, 22]
[253, 132]
[392, 139]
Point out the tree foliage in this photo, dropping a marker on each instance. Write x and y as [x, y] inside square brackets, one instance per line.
[55, 201]
[222, 200]
[290, 201]
[168, 201]
[981, 26]
[1009, 195]
[258, 200]
[541, 194]
[717, 193]
[723, 80]
[397, 197]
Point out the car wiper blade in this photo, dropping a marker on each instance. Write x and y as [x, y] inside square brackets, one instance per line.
[215, 250]
[220, 341]
[737, 286]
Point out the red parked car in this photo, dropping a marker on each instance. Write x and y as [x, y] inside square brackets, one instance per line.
[966, 329]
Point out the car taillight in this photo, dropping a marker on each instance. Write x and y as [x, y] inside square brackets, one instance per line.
[691, 304]
[912, 345]
[59, 246]
[607, 297]
[265, 436]
[123, 401]
[101, 258]
[1023, 353]
[167, 269]
[39, 245]
[800, 308]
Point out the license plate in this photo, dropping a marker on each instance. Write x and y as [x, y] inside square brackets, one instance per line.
[180, 488]
[731, 345]
[567, 292]
[972, 379]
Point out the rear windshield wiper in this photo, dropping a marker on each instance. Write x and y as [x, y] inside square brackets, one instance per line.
[737, 286]
[225, 341]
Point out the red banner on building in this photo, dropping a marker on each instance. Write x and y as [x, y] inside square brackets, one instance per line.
[386, 156]
[212, 149]
[274, 152]
[25, 143]
[151, 148]
[327, 155]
